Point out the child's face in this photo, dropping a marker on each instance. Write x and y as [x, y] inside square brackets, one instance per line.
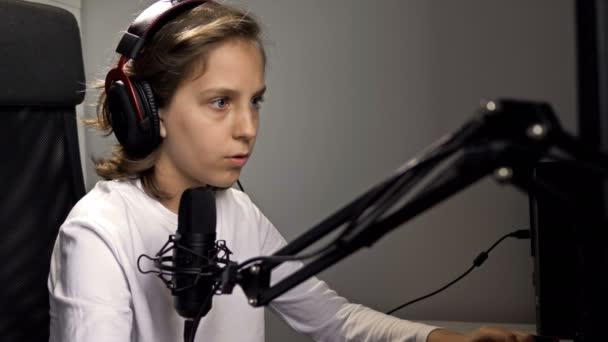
[210, 125]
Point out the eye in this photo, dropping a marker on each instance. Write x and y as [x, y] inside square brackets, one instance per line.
[220, 103]
[257, 101]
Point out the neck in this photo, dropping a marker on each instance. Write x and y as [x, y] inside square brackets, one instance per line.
[171, 203]
[172, 183]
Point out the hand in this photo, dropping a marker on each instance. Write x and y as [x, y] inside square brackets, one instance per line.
[494, 334]
[483, 334]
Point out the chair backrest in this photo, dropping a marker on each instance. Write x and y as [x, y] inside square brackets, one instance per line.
[41, 82]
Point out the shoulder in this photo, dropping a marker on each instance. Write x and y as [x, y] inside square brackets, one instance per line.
[234, 198]
[106, 209]
[238, 204]
[235, 208]
[106, 199]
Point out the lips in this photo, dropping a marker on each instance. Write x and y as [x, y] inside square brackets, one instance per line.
[239, 159]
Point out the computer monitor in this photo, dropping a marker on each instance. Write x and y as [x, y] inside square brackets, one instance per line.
[569, 240]
[570, 249]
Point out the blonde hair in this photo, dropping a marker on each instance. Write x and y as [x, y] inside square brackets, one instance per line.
[169, 57]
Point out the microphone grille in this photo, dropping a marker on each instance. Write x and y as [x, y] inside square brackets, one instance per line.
[197, 211]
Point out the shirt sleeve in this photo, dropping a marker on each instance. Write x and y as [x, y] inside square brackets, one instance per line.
[316, 310]
[88, 292]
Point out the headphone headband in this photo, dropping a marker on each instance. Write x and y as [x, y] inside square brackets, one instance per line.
[149, 21]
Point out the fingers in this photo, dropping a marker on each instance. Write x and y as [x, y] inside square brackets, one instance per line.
[495, 334]
[523, 336]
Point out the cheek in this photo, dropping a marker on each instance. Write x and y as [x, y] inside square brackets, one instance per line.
[205, 144]
[198, 139]
[179, 135]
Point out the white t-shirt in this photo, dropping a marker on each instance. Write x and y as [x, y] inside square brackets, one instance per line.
[98, 294]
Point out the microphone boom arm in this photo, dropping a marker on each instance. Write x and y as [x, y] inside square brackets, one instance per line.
[506, 136]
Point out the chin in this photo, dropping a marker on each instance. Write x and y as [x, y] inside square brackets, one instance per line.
[223, 183]
[221, 186]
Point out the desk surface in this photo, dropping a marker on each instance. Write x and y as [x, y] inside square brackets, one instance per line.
[465, 327]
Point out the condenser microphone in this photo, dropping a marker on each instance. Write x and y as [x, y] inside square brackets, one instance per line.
[196, 253]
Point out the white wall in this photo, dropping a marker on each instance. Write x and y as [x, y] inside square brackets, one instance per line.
[358, 87]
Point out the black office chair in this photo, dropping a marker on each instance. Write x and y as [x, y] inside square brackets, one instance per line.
[41, 82]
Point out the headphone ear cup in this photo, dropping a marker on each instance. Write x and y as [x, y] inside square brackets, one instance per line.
[138, 137]
[147, 103]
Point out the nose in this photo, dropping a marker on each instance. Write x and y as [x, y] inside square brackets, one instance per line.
[246, 124]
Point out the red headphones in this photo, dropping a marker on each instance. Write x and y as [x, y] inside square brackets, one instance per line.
[132, 105]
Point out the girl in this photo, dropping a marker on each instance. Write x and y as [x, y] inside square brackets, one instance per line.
[200, 83]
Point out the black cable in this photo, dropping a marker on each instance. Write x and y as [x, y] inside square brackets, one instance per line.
[191, 325]
[238, 182]
[478, 261]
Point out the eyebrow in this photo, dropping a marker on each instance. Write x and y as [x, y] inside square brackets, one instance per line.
[231, 92]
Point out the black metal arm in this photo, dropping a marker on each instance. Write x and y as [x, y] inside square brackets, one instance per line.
[506, 137]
